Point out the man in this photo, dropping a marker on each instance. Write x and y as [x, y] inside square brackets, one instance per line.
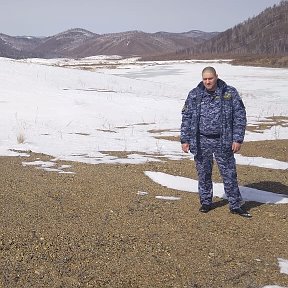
[213, 123]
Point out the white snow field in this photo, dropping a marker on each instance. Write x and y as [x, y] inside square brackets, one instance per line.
[122, 105]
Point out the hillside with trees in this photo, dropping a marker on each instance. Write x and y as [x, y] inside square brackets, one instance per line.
[261, 39]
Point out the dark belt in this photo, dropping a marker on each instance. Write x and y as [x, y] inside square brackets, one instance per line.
[211, 136]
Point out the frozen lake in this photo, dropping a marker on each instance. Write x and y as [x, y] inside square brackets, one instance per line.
[258, 86]
[81, 115]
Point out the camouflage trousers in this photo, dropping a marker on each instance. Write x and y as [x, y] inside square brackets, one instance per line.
[208, 150]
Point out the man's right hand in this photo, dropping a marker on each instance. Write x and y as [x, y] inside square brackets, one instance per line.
[185, 147]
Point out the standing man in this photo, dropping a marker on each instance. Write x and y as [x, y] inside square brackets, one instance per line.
[213, 123]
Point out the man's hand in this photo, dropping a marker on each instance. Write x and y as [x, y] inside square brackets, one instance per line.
[236, 147]
[185, 147]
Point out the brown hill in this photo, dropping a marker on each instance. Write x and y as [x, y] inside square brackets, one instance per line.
[61, 45]
[17, 47]
[137, 43]
[75, 43]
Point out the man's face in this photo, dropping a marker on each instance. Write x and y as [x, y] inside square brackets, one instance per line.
[210, 81]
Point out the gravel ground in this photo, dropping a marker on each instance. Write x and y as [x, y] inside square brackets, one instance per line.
[93, 229]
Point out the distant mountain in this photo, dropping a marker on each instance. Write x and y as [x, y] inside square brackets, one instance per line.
[61, 45]
[75, 43]
[17, 47]
[265, 34]
[136, 43]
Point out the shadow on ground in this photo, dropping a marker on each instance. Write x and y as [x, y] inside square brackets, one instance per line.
[248, 205]
[270, 186]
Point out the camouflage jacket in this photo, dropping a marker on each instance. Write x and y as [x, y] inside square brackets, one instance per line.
[233, 116]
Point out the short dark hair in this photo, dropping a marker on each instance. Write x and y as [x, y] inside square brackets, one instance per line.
[209, 69]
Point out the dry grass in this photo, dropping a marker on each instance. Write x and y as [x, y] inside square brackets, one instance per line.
[21, 138]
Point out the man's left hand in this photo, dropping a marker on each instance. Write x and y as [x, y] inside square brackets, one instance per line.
[236, 147]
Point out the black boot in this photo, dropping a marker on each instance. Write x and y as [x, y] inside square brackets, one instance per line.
[241, 212]
[205, 208]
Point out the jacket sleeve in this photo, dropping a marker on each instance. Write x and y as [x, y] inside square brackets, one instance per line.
[239, 118]
[185, 135]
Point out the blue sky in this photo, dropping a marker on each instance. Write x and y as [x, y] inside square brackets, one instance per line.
[46, 18]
